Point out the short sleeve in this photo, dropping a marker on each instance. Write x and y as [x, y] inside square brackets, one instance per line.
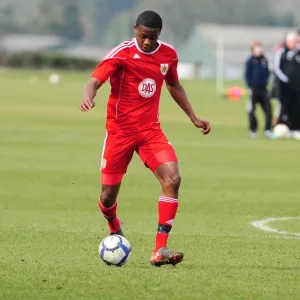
[172, 75]
[105, 69]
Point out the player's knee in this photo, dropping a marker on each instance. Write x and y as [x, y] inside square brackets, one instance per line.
[108, 197]
[172, 181]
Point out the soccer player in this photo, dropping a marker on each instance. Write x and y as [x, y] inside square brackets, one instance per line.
[257, 76]
[137, 70]
[286, 68]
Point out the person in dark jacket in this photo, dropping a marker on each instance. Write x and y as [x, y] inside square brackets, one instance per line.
[287, 69]
[257, 77]
[292, 70]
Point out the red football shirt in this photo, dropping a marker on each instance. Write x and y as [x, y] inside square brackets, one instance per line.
[136, 79]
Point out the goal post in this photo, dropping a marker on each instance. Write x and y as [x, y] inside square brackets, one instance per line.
[220, 66]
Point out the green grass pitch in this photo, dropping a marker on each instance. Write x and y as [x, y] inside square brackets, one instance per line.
[50, 224]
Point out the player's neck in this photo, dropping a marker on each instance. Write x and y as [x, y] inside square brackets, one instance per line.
[158, 44]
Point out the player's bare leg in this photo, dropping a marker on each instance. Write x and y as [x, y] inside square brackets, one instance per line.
[108, 205]
[169, 178]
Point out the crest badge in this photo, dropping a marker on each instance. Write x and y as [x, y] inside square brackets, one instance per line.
[164, 68]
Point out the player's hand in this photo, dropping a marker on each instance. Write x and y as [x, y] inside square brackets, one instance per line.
[202, 124]
[87, 104]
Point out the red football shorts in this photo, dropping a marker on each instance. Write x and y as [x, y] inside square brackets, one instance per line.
[151, 145]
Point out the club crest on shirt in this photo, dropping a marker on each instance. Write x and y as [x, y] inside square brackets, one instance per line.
[164, 68]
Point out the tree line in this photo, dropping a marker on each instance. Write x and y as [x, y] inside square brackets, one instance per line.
[109, 21]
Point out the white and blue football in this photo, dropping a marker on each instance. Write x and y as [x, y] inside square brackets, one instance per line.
[115, 250]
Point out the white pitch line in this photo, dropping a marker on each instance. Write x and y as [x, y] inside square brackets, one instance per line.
[262, 225]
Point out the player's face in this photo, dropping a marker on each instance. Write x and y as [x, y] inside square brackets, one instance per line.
[146, 37]
[258, 50]
[291, 43]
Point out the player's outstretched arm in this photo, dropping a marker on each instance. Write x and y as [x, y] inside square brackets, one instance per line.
[89, 93]
[179, 95]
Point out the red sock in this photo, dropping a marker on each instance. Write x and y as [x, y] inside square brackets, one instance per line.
[110, 213]
[167, 208]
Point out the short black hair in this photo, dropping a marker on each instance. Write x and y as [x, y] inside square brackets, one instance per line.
[150, 19]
